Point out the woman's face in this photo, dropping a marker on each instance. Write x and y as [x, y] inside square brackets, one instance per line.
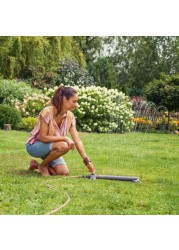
[71, 103]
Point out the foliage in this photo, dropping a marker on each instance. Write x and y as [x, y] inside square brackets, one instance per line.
[90, 47]
[174, 125]
[31, 104]
[149, 117]
[12, 89]
[9, 115]
[139, 60]
[162, 123]
[71, 73]
[125, 63]
[27, 123]
[36, 57]
[164, 91]
[142, 123]
[147, 125]
[104, 72]
[101, 110]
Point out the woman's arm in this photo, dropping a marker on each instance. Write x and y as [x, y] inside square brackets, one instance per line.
[80, 147]
[44, 137]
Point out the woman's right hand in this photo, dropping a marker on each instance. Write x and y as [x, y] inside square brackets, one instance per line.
[70, 143]
[91, 168]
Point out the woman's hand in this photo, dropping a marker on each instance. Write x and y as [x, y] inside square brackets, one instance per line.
[90, 167]
[70, 143]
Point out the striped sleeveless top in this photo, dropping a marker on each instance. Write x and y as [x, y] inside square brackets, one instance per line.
[54, 130]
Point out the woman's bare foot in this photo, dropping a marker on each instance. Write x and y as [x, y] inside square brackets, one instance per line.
[51, 171]
[43, 170]
[33, 165]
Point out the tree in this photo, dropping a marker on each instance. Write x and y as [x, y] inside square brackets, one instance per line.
[165, 92]
[36, 57]
[139, 60]
[90, 47]
[104, 72]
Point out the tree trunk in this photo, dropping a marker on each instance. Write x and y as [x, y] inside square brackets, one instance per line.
[7, 126]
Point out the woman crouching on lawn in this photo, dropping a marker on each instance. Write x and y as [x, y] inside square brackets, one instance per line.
[48, 139]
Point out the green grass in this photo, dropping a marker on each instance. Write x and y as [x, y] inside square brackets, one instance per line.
[152, 157]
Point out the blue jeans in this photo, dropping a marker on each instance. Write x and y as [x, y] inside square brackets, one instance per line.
[41, 150]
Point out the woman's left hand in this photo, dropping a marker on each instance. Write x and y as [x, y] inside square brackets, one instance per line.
[70, 143]
[90, 167]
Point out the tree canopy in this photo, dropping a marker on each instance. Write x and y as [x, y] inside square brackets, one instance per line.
[25, 57]
[139, 60]
[127, 63]
[164, 91]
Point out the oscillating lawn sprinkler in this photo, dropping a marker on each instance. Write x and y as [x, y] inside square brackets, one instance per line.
[110, 177]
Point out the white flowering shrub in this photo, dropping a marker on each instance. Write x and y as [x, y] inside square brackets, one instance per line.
[50, 92]
[31, 104]
[101, 109]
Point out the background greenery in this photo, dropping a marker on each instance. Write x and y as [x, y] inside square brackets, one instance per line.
[13, 89]
[126, 63]
[9, 115]
[152, 157]
[143, 67]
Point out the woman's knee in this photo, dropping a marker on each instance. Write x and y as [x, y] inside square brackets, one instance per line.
[65, 172]
[61, 170]
[61, 146]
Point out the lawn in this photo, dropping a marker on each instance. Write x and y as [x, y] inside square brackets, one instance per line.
[152, 157]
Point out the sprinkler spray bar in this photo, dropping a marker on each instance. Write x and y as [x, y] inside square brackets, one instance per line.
[111, 177]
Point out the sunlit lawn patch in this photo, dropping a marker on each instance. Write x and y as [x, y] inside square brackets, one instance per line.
[152, 157]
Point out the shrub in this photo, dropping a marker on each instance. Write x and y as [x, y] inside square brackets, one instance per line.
[101, 109]
[9, 115]
[31, 104]
[71, 73]
[27, 123]
[11, 89]
[164, 91]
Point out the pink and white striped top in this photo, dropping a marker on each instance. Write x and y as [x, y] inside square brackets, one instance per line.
[58, 131]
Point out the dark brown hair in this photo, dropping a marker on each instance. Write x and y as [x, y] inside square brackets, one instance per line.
[57, 99]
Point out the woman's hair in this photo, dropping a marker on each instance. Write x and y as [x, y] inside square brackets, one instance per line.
[57, 99]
